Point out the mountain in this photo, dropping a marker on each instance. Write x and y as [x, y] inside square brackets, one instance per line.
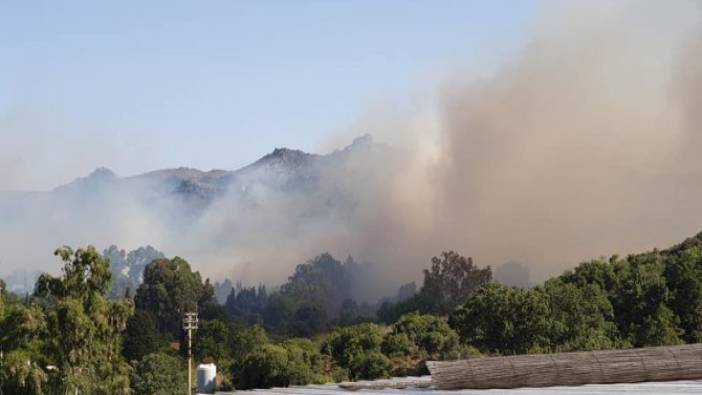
[293, 199]
[99, 178]
[283, 168]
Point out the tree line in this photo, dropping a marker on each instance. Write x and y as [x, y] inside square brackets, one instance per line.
[69, 334]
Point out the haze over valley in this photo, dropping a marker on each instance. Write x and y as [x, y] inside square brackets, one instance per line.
[293, 193]
[573, 145]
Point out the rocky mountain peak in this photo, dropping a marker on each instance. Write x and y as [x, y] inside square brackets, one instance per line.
[363, 141]
[102, 174]
[284, 157]
[98, 178]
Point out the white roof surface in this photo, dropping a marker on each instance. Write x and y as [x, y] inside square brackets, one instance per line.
[658, 388]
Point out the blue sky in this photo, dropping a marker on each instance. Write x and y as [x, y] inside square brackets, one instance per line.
[216, 84]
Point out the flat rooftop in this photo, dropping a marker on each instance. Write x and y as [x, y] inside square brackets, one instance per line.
[658, 388]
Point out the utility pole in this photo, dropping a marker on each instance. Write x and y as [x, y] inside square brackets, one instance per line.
[190, 324]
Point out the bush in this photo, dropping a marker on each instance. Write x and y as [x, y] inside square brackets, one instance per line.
[416, 338]
[349, 343]
[293, 362]
[582, 318]
[158, 374]
[371, 365]
[350, 346]
[305, 362]
[245, 339]
[398, 345]
[264, 368]
[504, 320]
[430, 335]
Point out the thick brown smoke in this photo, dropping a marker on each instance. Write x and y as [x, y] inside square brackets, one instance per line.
[586, 144]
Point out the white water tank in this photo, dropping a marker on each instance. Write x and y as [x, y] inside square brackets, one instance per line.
[206, 375]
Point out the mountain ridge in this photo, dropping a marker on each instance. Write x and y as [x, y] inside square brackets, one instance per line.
[280, 160]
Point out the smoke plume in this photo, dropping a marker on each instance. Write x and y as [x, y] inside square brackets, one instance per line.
[586, 143]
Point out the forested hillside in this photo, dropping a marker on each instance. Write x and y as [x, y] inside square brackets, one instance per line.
[69, 335]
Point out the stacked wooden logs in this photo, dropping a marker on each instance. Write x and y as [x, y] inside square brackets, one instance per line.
[670, 363]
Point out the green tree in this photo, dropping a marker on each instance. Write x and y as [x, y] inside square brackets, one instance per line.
[212, 343]
[170, 289]
[504, 320]
[159, 374]
[293, 362]
[449, 281]
[266, 367]
[243, 340]
[128, 268]
[399, 345]
[247, 304]
[370, 366]
[683, 274]
[639, 294]
[306, 363]
[416, 338]
[83, 328]
[21, 375]
[429, 336]
[322, 282]
[389, 311]
[641, 304]
[308, 321]
[349, 312]
[348, 345]
[582, 318]
[142, 336]
[23, 333]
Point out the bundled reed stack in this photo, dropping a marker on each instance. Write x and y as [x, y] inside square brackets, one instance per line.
[567, 369]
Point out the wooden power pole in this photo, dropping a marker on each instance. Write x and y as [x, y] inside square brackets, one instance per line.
[190, 324]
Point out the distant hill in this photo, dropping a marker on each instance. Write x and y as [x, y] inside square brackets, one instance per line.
[283, 168]
[285, 201]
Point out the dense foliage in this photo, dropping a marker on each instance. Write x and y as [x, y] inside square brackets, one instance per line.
[646, 299]
[316, 297]
[449, 281]
[69, 336]
[159, 374]
[142, 336]
[170, 288]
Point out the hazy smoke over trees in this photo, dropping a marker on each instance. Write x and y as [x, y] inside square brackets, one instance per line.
[585, 143]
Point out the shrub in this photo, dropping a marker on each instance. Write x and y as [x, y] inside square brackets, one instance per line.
[398, 345]
[264, 368]
[158, 374]
[430, 335]
[371, 365]
[349, 346]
